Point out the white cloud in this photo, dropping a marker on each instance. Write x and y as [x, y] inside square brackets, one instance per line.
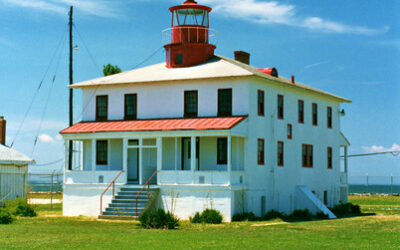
[375, 148]
[100, 8]
[46, 138]
[273, 12]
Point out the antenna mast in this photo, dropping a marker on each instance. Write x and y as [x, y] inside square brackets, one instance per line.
[71, 81]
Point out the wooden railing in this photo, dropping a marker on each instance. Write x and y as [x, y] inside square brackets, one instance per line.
[108, 187]
[148, 190]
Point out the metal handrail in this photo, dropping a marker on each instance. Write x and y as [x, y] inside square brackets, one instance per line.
[108, 187]
[212, 34]
[148, 190]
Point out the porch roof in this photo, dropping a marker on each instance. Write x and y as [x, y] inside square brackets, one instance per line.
[168, 124]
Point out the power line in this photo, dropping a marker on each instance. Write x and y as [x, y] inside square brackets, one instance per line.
[49, 163]
[394, 153]
[63, 37]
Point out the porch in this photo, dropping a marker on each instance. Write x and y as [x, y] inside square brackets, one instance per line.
[98, 159]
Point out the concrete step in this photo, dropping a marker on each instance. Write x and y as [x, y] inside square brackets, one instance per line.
[134, 189]
[130, 197]
[117, 217]
[133, 204]
[120, 214]
[124, 209]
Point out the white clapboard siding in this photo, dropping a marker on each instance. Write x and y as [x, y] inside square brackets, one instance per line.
[13, 181]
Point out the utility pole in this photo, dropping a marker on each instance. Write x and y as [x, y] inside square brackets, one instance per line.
[71, 93]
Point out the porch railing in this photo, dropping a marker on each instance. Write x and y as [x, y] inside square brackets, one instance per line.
[148, 190]
[108, 187]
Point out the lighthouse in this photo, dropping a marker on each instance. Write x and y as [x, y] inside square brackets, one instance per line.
[189, 35]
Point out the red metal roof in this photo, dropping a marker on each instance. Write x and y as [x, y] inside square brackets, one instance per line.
[169, 124]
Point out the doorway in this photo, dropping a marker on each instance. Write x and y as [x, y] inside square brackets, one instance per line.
[186, 153]
[133, 162]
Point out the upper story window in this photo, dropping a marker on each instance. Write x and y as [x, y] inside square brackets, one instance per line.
[130, 107]
[102, 152]
[225, 102]
[280, 106]
[301, 111]
[329, 157]
[101, 108]
[314, 114]
[289, 131]
[260, 102]
[307, 155]
[190, 106]
[280, 153]
[260, 151]
[222, 151]
[329, 117]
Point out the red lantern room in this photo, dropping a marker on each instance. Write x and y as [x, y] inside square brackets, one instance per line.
[189, 36]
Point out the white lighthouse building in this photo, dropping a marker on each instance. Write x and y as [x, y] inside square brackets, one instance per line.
[205, 130]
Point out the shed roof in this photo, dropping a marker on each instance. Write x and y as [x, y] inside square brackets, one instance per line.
[12, 156]
[217, 67]
[169, 124]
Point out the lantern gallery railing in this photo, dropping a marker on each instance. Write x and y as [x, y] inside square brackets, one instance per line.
[189, 34]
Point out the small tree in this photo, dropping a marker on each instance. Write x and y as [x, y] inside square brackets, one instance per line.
[111, 69]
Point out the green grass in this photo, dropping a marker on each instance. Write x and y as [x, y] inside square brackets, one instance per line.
[49, 231]
[378, 204]
[44, 195]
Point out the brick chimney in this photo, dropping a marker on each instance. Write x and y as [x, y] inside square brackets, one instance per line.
[242, 57]
[2, 130]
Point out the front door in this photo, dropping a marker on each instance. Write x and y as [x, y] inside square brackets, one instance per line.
[133, 163]
[186, 151]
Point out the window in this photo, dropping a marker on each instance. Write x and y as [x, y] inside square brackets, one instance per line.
[307, 156]
[260, 102]
[101, 108]
[179, 59]
[225, 102]
[260, 151]
[101, 152]
[280, 153]
[190, 106]
[314, 114]
[130, 107]
[280, 106]
[329, 157]
[289, 131]
[222, 153]
[301, 111]
[329, 117]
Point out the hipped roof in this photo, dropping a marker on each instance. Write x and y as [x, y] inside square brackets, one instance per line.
[217, 67]
[9, 156]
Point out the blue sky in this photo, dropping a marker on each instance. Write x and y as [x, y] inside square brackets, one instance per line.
[349, 48]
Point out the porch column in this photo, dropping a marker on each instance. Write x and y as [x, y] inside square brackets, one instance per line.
[140, 161]
[125, 157]
[159, 155]
[229, 156]
[176, 153]
[345, 159]
[192, 156]
[93, 155]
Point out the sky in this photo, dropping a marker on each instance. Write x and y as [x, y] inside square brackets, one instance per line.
[348, 48]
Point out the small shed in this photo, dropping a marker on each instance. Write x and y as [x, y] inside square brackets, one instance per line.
[13, 173]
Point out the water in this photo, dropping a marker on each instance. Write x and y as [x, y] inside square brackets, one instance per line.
[379, 189]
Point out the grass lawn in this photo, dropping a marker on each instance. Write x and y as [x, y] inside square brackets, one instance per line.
[50, 230]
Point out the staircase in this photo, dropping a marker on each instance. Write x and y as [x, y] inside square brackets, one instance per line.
[123, 206]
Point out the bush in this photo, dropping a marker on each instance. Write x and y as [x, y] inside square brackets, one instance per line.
[5, 216]
[346, 209]
[19, 207]
[300, 215]
[158, 219]
[210, 216]
[321, 216]
[245, 216]
[272, 214]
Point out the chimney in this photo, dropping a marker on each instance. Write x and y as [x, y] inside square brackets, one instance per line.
[242, 57]
[2, 130]
[293, 82]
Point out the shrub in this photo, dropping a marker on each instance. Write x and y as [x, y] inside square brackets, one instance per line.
[346, 209]
[19, 207]
[158, 219]
[300, 215]
[5, 216]
[321, 216]
[272, 214]
[210, 216]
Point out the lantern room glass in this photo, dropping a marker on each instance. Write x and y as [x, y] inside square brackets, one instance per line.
[190, 16]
